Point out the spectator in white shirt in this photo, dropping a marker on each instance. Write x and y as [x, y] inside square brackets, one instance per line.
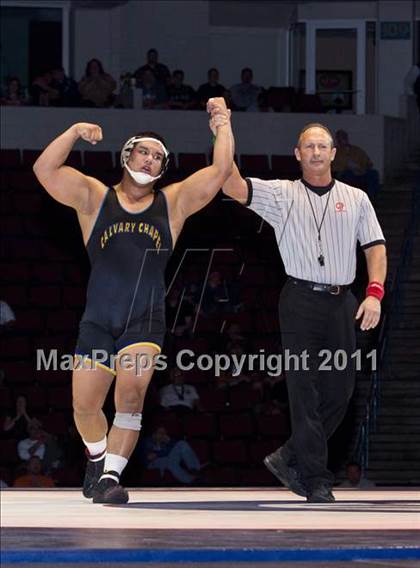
[35, 444]
[178, 395]
[355, 479]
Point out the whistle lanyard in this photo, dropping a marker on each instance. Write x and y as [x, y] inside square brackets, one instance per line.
[321, 258]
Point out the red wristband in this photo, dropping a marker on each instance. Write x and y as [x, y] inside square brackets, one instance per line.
[375, 289]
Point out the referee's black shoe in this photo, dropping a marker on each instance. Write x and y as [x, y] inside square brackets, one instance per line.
[320, 494]
[108, 490]
[94, 470]
[288, 475]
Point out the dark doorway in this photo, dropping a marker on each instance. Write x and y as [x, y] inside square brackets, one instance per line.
[45, 46]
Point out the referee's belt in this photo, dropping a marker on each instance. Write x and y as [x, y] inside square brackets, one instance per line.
[333, 289]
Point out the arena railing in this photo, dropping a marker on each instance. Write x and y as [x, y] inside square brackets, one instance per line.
[390, 320]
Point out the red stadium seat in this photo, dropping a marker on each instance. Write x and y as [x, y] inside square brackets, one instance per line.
[14, 272]
[100, 160]
[12, 225]
[201, 448]
[74, 296]
[9, 159]
[255, 165]
[29, 320]
[200, 425]
[35, 395]
[52, 377]
[14, 295]
[56, 423]
[62, 320]
[74, 159]
[16, 347]
[261, 448]
[8, 452]
[45, 296]
[18, 372]
[189, 163]
[170, 421]
[230, 452]
[275, 426]
[29, 157]
[243, 397]
[59, 398]
[213, 400]
[220, 476]
[47, 273]
[285, 167]
[6, 401]
[236, 425]
[259, 476]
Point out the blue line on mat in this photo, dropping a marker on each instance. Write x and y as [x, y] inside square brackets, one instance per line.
[210, 555]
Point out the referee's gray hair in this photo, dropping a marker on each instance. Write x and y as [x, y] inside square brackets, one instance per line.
[315, 125]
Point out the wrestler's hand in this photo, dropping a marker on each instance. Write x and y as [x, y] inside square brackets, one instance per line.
[370, 309]
[90, 132]
[216, 105]
[218, 120]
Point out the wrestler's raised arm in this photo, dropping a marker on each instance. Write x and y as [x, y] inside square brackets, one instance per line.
[193, 193]
[65, 184]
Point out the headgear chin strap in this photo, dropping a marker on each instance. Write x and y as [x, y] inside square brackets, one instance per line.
[141, 177]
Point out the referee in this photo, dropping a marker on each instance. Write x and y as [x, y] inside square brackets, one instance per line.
[317, 221]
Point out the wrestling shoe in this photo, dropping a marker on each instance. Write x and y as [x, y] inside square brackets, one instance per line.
[320, 494]
[288, 475]
[94, 470]
[108, 490]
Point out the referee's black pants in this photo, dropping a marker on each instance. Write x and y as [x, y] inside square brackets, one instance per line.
[310, 322]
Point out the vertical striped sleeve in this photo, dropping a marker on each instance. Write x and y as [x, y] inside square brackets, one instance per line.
[265, 198]
[369, 231]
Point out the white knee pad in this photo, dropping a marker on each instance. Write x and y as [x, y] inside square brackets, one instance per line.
[128, 420]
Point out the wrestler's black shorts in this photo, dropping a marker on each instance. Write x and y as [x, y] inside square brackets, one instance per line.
[97, 343]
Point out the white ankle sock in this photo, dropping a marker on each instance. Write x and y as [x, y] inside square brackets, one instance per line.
[96, 448]
[116, 463]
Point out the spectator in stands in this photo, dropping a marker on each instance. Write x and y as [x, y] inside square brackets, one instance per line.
[16, 426]
[34, 476]
[160, 71]
[219, 296]
[67, 88]
[210, 89]
[178, 395]
[3, 484]
[353, 166]
[180, 318]
[41, 91]
[270, 408]
[275, 389]
[155, 95]
[160, 452]
[235, 375]
[7, 315]
[245, 95]
[234, 336]
[35, 444]
[355, 479]
[97, 87]
[181, 97]
[13, 94]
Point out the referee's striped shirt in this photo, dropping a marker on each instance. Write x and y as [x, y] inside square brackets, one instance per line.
[349, 218]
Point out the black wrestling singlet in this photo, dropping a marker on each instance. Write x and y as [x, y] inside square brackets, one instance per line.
[128, 254]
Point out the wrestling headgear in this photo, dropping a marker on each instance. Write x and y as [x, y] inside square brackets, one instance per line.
[141, 177]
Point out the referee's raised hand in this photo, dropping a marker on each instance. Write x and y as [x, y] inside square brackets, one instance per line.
[370, 309]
